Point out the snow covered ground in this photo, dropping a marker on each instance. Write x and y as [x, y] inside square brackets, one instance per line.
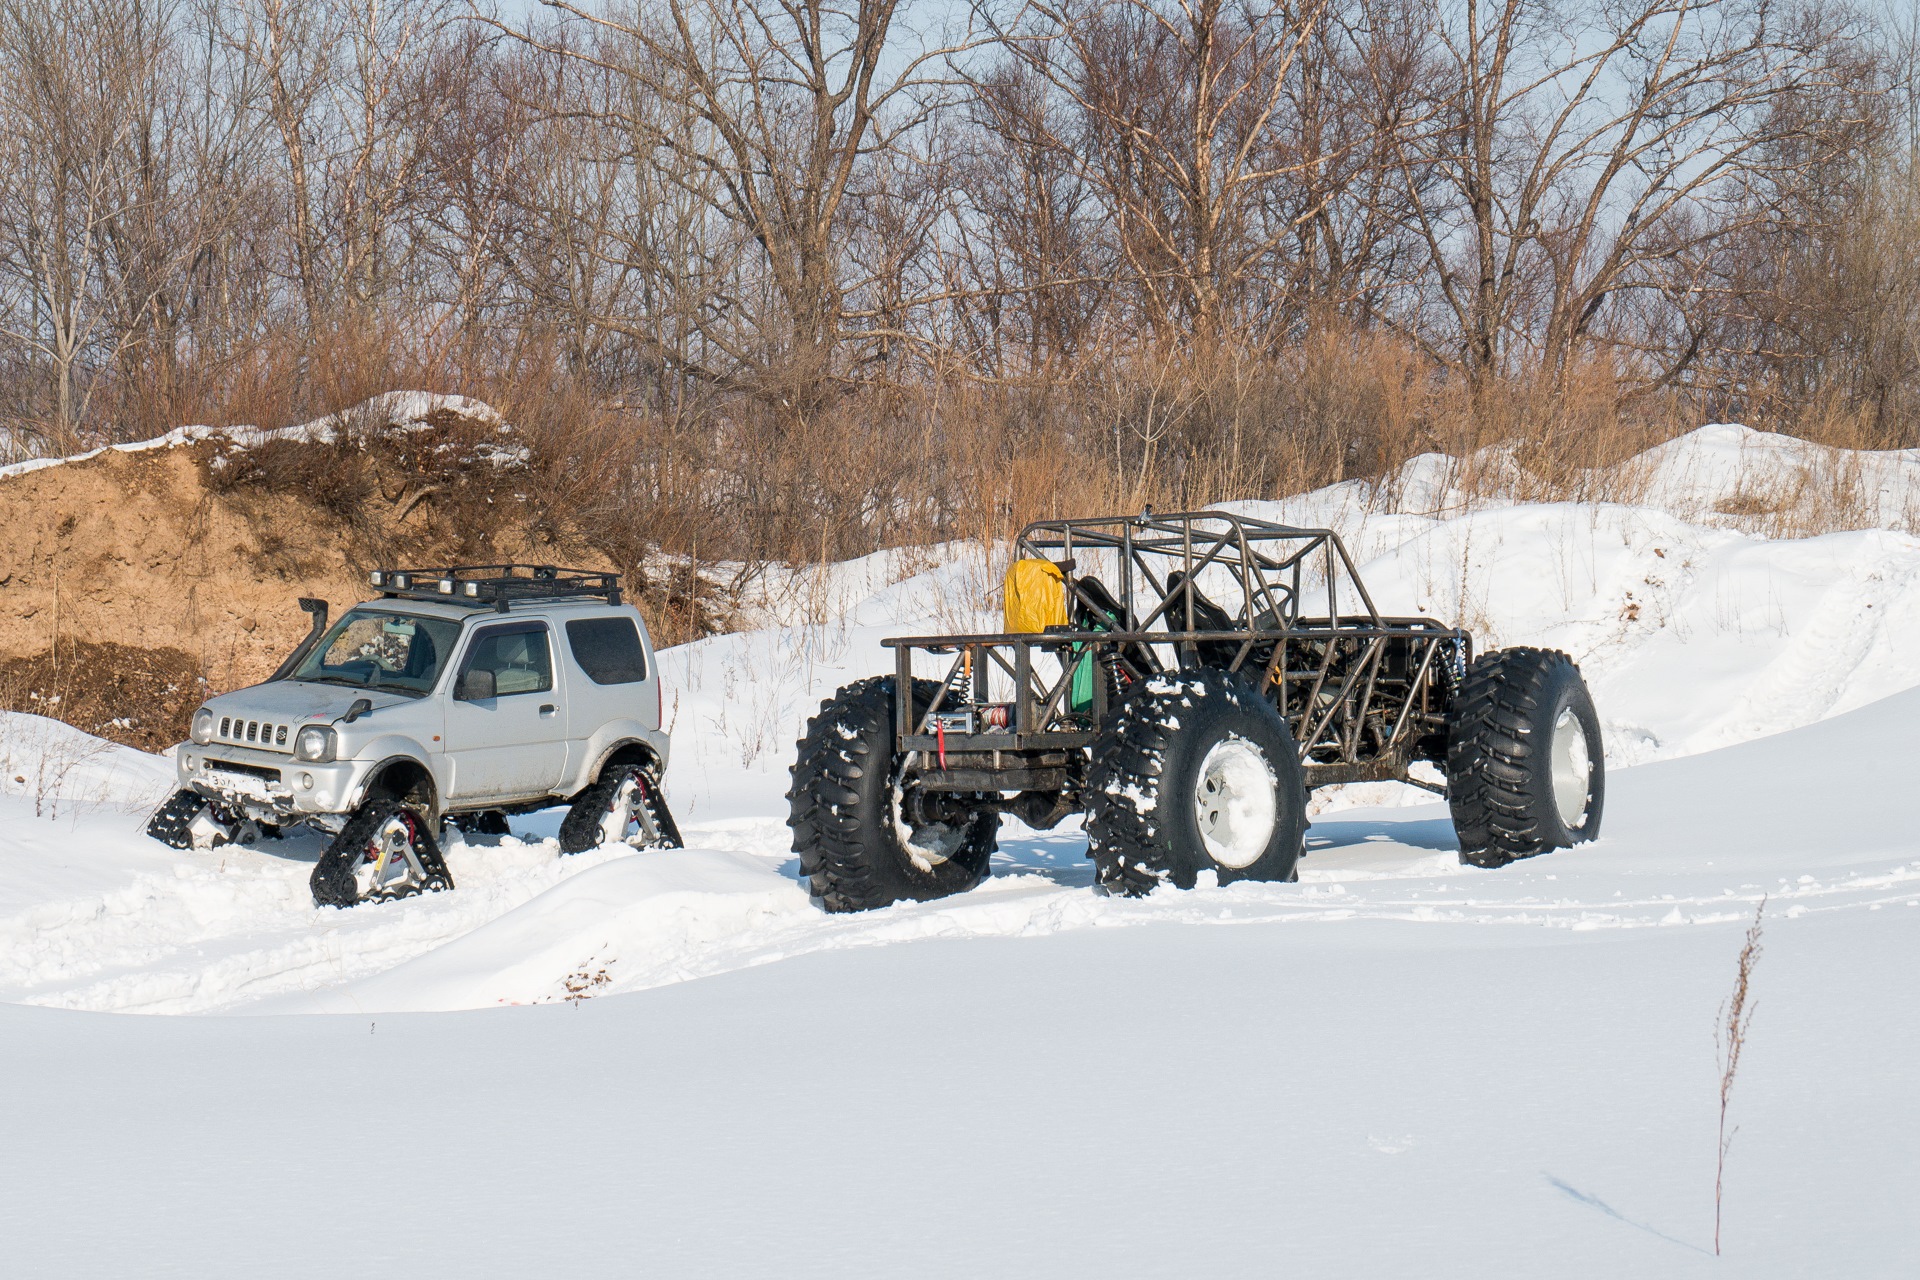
[1398, 1066]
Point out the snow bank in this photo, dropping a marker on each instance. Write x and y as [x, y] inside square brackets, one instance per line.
[402, 409]
[673, 908]
[1723, 475]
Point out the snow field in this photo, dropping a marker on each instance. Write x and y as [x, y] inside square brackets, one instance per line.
[1356, 1098]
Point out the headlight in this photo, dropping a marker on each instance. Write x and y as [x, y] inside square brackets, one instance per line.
[315, 742]
[202, 731]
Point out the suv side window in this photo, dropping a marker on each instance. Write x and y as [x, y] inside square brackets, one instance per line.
[516, 655]
[608, 649]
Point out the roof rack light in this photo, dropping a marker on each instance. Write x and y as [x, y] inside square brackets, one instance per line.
[498, 585]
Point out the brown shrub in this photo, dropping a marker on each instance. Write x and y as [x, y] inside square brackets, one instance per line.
[137, 697]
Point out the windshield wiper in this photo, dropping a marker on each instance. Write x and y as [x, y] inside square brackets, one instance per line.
[402, 690]
[339, 680]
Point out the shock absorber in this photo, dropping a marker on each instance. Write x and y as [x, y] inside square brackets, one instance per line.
[959, 686]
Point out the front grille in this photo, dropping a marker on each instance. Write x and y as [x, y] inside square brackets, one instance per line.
[268, 735]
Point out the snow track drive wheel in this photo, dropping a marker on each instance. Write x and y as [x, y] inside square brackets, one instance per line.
[386, 850]
[1525, 772]
[172, 822]
[862, 843]
[623, 805]
[1195, 772]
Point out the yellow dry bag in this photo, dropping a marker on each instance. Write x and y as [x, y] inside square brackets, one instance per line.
[1036, 596]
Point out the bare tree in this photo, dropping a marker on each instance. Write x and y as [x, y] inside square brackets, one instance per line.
[79, 138]
[1593, 151]
[790, 99]
[1184, 104]
[334, 78]
[1029, 260]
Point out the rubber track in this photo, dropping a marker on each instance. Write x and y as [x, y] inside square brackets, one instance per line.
[1491, 755]
[332, 880]
[170, 821]
[1130, 755]
[580, 829]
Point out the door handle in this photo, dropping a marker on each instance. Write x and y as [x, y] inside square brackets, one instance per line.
[546, 708]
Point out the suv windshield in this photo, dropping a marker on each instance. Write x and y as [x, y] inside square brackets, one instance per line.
[381, 649]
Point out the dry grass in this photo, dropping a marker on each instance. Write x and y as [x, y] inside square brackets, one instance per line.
[679, 479]
[41, 761]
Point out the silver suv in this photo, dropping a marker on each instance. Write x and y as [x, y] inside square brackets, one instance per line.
[462, 695]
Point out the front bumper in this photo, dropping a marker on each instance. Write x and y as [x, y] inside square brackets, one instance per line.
[269, 786]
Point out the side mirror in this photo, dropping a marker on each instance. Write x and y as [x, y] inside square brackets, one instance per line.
[477, 685]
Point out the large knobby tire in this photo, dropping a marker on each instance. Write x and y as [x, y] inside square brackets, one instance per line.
[1525, 770]
[623, 804]
[1195, 772]
[344, 876]
[858, 850]
[172, 822]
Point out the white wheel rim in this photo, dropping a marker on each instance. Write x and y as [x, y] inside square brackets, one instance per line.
[1236, 803]
[1572, 770]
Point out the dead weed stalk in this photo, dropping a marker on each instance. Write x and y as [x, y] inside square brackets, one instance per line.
[1730, 1040]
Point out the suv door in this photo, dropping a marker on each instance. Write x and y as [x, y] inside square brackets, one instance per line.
[506, 735]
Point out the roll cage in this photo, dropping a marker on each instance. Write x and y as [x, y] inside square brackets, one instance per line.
[1364, 694]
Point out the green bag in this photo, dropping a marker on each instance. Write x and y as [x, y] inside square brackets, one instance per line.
[1080, 695]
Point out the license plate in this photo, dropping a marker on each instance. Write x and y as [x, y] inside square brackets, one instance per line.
[244, 784]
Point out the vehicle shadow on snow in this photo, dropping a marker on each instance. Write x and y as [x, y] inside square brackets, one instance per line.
[1376, 846]
[1060, 855]
[298, 845]
[1371, 844]
[306, 844]
[1334, 832]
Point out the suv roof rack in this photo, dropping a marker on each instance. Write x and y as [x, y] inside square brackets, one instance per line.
[497, 586]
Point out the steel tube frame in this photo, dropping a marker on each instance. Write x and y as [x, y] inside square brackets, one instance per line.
[1333, 701]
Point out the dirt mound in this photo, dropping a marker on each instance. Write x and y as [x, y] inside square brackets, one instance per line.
[139, 697]
[125, 572]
